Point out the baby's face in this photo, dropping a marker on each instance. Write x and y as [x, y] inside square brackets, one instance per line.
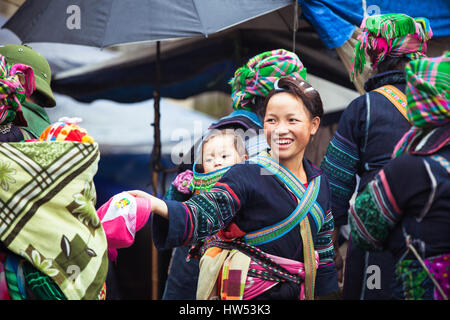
[220, 152]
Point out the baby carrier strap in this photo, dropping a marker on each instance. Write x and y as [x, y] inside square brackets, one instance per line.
[306, 196]
[307, 203]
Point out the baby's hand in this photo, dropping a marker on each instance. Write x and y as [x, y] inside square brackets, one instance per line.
[140, 194]
[157, 205]
[122, 216]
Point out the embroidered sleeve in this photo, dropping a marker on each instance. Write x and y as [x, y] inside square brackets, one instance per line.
[326, 278]
[374, 214]
[324, 241]
[192, 220]
[203, 214]
[211, 211]
[341, 162]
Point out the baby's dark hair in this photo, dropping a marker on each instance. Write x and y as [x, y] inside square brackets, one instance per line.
[301, 90]
[239, 144]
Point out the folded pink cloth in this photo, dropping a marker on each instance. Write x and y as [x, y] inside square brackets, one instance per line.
[122, 216]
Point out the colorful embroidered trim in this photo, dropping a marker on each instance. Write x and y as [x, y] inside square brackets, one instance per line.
[309, 258]
[396, 97]
[293, 184]
[204, 181]
[276, 231]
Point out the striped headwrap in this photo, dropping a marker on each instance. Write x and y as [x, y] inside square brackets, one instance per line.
[428, 96]
[12, 92]
[257, 77]
[390, 35]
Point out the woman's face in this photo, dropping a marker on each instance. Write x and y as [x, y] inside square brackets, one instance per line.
[288, 126]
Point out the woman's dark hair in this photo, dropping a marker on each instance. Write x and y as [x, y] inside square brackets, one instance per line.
[392, 63]
[257, 106]
[301, 90]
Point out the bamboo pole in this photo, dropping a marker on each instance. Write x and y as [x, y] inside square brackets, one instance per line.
[156, 163]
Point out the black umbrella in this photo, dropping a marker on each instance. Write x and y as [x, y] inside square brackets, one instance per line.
[103, 23]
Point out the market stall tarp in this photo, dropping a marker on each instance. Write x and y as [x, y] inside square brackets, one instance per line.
[335, 20]
[193, 66]
[119, 127]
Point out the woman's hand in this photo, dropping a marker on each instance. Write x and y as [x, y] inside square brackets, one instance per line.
[157, 205]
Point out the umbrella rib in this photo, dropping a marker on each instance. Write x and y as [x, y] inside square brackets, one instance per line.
[24, 40]
[194, 2]
[258, 16]
[107, 23]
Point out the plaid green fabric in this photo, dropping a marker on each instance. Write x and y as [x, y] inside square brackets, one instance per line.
[257, 77]
[47, 213]
[428, 91]
[428, 95]
[41, 285]
[390, 35]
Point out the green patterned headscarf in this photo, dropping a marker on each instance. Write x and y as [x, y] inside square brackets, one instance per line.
[393, 34]
[256, 78]
[428, 96]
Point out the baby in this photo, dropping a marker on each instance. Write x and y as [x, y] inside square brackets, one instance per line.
[222, 149]
[219, 150]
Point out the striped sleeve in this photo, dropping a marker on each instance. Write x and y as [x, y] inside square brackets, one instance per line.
[211, 211]
[192, 220]
[340, 165]
[324, 241]
[374, 214]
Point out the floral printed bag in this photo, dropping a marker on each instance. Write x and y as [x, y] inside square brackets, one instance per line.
[48, 216]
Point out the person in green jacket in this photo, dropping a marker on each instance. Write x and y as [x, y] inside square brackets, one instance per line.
[33, 108]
